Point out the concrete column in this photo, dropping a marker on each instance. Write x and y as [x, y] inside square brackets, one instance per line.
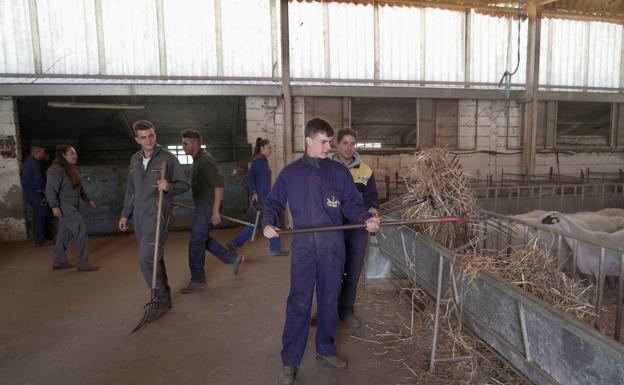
[12, 212]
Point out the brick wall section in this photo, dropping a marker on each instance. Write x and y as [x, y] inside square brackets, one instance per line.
[12, 213]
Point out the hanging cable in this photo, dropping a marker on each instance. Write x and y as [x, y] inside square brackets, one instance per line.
[506, 78]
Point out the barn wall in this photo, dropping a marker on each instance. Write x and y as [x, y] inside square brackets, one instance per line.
[12, 213]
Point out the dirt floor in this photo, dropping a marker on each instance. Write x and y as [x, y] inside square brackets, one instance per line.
[66, 327]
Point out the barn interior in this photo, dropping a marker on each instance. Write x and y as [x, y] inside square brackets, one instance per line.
[524, 98]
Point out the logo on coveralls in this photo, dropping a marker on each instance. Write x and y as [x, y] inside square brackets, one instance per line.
[332, 202]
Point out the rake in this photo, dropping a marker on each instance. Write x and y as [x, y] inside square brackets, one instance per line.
[151, 308]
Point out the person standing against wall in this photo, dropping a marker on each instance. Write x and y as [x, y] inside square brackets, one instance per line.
[34, 181]
[259, 182]
[319, 192]
[63, 192]
[207, 186]
[141, 204]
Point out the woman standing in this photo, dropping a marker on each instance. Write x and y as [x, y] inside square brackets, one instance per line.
[64, 192]
[259, 181]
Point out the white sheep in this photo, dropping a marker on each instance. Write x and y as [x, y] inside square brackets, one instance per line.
[596, 222]
[588, 257]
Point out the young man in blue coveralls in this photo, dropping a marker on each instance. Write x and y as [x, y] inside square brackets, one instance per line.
[319, 192]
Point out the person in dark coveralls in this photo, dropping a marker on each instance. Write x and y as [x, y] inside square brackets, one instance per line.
[34, 181]
[207, 187]
[319, 192]
[355, 240]
[141, 204]
[259, 181]
[64, 191]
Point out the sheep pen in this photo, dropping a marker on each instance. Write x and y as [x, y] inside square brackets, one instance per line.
[435, 173]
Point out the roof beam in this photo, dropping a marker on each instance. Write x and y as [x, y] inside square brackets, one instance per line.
[537, 3]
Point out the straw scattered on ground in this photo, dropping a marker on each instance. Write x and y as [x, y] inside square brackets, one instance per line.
[402, 333]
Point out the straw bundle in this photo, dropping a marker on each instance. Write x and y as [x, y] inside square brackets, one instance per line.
[435, 173]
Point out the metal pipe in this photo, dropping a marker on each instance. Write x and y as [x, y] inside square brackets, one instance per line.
[601, 278]
[97, 106]
[387, 223]
[620, 294]
[437, 314]
[222, 216]
[525, 335]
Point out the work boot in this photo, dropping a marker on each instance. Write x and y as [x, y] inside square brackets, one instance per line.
[237, 263]
[332, 362]
[351, 321]
[193, 287]
[231, 246]
[280, 253]
[87, 267]
[287, 377]
[163, 307]
[64, 265]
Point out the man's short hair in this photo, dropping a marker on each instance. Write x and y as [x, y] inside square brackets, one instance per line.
[316, 125]
[191, 134]
[345, 131]
[142, 125]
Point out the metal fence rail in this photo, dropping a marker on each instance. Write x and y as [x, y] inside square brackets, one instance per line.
[502, 233]
[552, 197]
[543, 343]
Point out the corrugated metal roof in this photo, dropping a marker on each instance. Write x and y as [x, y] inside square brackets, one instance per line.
[190, 38]
[307, 55]
[351, 41]
[16, 50]
[580, 53]
[247, 47]
[493, 48]
[415, 44]
[130, 37]
[68, 46]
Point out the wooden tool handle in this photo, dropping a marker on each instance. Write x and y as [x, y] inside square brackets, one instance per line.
[163, 169]
[386, 223]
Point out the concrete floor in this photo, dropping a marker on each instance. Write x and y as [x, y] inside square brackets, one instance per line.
[65, 327]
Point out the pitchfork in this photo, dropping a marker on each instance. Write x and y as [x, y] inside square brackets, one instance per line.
[151, 308]
[446, 219]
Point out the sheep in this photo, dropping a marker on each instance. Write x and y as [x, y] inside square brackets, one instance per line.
[588, 256]
[611, 212]
[595, 221]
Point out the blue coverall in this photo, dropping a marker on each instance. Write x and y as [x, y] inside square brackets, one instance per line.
[319, 193]
[259, 181]
[34, 179]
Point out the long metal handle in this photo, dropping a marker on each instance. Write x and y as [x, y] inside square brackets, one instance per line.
[386, 223]
[222, 216]
[163, 168]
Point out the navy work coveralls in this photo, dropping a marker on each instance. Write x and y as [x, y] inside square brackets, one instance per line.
[34, 179]
[259, 181]
[141, 204]
[205, 178]
[61, 194]
[319, 193]
[355, 240]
